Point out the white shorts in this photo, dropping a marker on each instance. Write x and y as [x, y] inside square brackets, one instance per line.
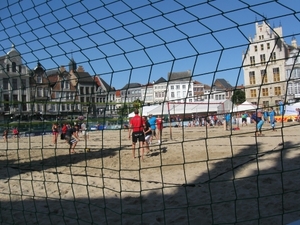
[147, 138]
[84, 132]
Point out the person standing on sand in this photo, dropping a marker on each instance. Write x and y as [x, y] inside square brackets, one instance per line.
[147, 134]
[72, 139]
[152, 122]
[244, 118]
[63, 131]
[84, 131]
[54, 133]
[5, 133]
[272, 115]
[257, 117]
[159, 126]
[136, 132]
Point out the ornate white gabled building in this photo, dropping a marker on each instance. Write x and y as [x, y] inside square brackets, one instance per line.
[264, 66]
[14, 83]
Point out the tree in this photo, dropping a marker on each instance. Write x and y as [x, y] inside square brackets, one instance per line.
[238, 97]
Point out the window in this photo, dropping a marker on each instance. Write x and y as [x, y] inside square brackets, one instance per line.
[273, 57]
[20, 69]
[14, 67]
[172, 87]
[178, 94]
[268, 45]
[24, 107]
[87, 90]
[39, 79]
[5, 83]
[255, 48]
[7, 67]
[183, 86]
[39, 92]
[172, 95]
[252, 77]
[252, 60]
[82, 91]
[266, 103]
[23, 83]
[14, 84]
[177, 87]
[15, 101]
[263, 59]
[277, 90]
[184, 94]
[265, 92]
[264, 77]
[253, 93]
[261, 47]
[276, 75]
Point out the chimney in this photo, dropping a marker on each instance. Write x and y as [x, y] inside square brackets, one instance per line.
[62, 69]
[294, 42]
[80, 69]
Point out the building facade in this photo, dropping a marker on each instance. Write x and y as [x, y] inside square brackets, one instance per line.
[293, 73]
[15, 94]
[264, 66]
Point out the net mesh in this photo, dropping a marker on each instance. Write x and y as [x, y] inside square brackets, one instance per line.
[197, 175]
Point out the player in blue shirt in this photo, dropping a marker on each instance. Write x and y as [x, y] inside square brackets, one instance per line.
[272, 115]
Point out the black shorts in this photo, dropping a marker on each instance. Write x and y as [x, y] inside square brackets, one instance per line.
[244, 119]
[138, 136]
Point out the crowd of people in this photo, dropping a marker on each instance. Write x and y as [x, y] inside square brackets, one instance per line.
[144, 130]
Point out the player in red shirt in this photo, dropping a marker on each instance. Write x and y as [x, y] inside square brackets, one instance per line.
[159, 126]
[136, 127]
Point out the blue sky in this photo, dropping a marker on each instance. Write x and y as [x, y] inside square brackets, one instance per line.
[141, 41]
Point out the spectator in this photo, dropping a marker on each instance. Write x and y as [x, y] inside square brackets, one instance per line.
[15, 132]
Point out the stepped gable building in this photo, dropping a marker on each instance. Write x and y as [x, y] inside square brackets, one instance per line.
[264, 65]
[106, 97]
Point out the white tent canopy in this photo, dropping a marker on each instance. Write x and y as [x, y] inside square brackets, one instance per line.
[187, 108]
[292, 109]
[145, 110]
[245, 106]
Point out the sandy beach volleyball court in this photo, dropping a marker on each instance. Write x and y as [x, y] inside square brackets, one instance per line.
[201, 176]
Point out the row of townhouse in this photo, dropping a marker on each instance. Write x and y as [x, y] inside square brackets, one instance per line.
[60, 92]
[44, 93]
[271, 67]
[178, 87]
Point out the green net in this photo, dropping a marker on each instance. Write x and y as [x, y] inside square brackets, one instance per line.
[69, 62]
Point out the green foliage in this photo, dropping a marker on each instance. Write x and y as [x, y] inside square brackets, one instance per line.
[238, 97]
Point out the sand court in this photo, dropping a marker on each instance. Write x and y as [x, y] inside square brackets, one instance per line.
[205, 175]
